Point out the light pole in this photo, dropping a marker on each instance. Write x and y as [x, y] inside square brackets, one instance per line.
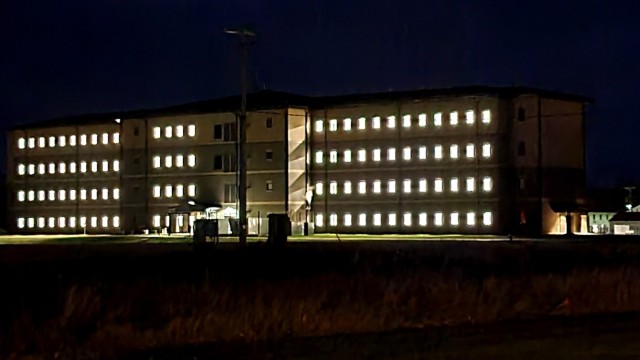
[245, 37]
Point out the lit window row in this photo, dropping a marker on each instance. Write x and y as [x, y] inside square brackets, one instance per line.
[171, 161]
[71, 140]
[169, 191]
[177, 131]
[71, 167]
[421, 185]
[407, 153]
[407, 219]
[455, 118]
[68, 222]
[71, 195]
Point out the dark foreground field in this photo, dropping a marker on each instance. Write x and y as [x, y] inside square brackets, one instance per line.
[116, 301]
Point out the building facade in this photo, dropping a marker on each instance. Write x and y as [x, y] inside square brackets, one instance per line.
[460, 160]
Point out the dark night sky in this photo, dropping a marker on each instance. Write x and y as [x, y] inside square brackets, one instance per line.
[68, 57]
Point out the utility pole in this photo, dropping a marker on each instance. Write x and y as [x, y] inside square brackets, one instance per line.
[245, 37]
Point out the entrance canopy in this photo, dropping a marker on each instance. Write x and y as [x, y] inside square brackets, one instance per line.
[192, 206]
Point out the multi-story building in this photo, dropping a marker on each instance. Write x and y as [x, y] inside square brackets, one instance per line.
[460, 160]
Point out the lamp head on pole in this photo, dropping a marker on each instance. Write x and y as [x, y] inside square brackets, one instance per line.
[240, 31]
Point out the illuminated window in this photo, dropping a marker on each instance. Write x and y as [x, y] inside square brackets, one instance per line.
[157, 132]
[168, 191]
[362, 187]
[94, 139]
[40, 222]
[168, 132]
[486, 150]
[362, 219]
[470, 117]
[406, 219]
[62, 141]
[406, 153]
[21, 196]
[179, 161]
[362, 155]
[191, 160]
[486, 116]
[72, 140]
[83, 166]
[406, 121]
[347, 219]
[62, 222]
[375, 122]
[486, 218]
[437, 152]
[52, 168]
[156, 221]
[376, 155]
[391, 122]
[62, 168]
[422, 219]
[333, 188]
[422, 152]
[437, 119]
[470, 151]
[156, 191]
[422, 120]
[31, 169]
[116, 138]
[32, 143]
[391, 154]
[319, 188]
[105, 194]
[376, 186]
[346, 124]
[105, 165]
[42, 169]
[62, 195]
[391, 219]
[437, 185]
[438, 219]
[94, 166]
[471, 218]
[319, 125]
[83, 194]
[168, 161]
[347, 156]
[72, 194]
[377, 219]
[31, 195]
[422, 185]
[105, 221]
[391, 186]
[72, 222]
[191, 190]
[179, 190]
[333, 220]
[83, 139]
[362, 123]
[191, 130]
[52, 222]
[454, 185]
[454, 218]
[347, 187]
[116, 221]
[83, 221]
[453, 151]
[319, 220]
[333, 156]
[42, 142]
[105, 139]
[406, 186]
[453, 118]
[156, 162]
[21, 143]
[179, 131]
[319, 157]
[94, 194]
[487, 184]
[333, 125]
[116, 165]
[471, 184]
[21, 169]
[30, 223]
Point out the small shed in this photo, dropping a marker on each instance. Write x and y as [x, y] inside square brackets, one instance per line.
[626, 223]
